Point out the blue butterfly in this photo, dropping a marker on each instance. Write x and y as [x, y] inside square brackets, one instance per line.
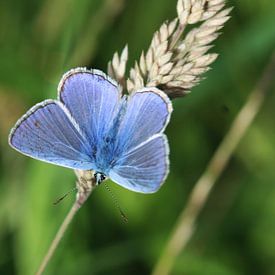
[93, 127]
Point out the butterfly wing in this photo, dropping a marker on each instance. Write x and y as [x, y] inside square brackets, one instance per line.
[148, 113]
[144, 168]
[92, 98]
[142, 165]
[48, 132]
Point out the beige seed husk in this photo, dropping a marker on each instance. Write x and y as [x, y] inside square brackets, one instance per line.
[175, 59]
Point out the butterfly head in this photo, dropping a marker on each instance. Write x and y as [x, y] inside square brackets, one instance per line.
[99, 177]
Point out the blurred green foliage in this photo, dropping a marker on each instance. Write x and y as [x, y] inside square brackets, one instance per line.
[39, 40]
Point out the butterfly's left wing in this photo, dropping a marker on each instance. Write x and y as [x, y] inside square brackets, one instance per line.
[148, 113]
[144, 168]
[141, 146]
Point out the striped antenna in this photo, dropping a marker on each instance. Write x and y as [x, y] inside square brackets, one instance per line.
[123, 216]
[57, 201]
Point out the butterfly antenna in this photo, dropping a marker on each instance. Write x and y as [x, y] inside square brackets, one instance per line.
[64, 196]
[123, 216]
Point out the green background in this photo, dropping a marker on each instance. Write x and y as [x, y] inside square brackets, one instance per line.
[39, 41]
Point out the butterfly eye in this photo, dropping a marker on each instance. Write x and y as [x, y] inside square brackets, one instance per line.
[102, 177]
[99, 177]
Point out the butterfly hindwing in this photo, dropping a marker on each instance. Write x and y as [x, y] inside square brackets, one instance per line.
[148, 112]
[47, 132]
[92, 99]
[144, 168]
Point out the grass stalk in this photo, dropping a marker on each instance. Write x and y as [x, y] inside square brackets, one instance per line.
[185, 225]
[85, 185]
[60, 233]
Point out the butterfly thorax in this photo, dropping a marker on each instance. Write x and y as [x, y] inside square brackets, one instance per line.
[106, 149]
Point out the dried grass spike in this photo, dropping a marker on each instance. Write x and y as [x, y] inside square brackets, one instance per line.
[176, 59]
[117, 67]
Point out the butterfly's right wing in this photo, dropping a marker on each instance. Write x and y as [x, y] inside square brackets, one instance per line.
[47, 132]
[67, 133]
[92, 98]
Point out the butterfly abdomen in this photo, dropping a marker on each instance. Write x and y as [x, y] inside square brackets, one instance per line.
[108, 152]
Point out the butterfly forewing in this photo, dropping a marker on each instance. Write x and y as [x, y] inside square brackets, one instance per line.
[48, 133]
[144, 168]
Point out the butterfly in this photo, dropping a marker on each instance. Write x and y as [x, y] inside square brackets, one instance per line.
[92, 126]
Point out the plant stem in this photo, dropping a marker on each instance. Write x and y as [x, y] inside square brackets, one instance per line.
[58, 237]
[85, 185]
[184, 227]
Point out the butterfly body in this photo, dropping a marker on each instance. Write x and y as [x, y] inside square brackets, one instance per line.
[108, 152]
[93, 127]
